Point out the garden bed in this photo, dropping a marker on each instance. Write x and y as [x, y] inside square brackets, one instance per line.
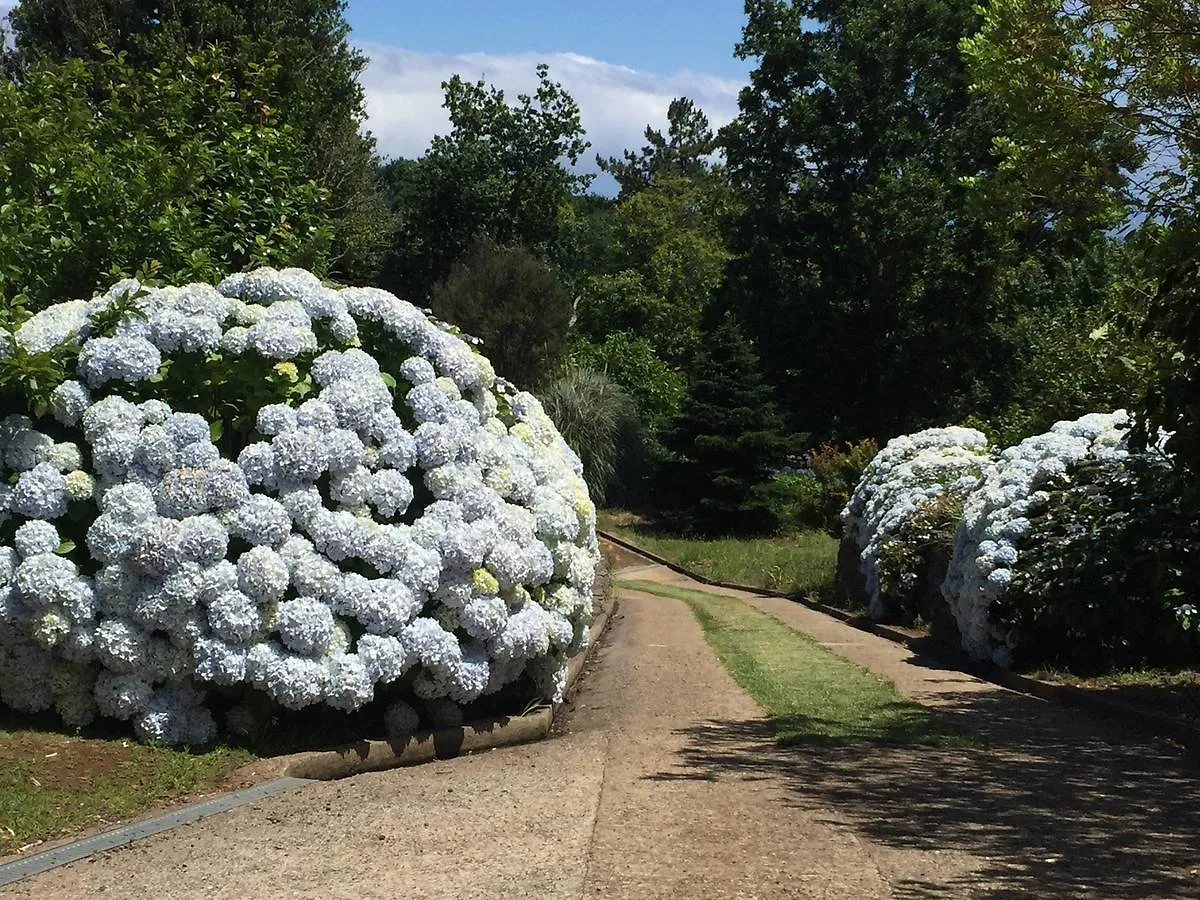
[54, 784]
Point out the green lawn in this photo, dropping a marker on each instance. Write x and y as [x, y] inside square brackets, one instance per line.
[52, 785]
[802, 563]
[811, 694]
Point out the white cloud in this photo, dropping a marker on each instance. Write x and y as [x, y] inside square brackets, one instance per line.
[404, 95]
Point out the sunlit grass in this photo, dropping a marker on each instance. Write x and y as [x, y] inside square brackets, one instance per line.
[803, 563]
[810, 693]
[53, 785]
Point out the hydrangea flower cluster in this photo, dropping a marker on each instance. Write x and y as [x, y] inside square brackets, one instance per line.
[906, 475]
[425, 524]
[996, 517]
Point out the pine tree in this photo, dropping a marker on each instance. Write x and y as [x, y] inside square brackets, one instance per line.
[727, 439]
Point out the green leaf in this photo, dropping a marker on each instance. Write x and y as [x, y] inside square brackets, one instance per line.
[65, 548]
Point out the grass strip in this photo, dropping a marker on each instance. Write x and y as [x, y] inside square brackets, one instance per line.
[803, 563]
[51, 785]
[811, 694]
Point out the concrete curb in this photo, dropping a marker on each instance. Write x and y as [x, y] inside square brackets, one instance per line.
[446, 743]
[1158, 724]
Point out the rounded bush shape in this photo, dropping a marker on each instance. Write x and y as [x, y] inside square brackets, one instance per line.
[356, 479]
[902, 479]
[996, 519]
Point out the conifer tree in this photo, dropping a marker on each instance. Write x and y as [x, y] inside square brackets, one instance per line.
[727, 440]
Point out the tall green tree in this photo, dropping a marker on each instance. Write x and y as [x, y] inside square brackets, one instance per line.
[105, 168]
[862, 271]
[1101, 122]
[685, 150]
[727, 441]
[315, 86]
[504, 172]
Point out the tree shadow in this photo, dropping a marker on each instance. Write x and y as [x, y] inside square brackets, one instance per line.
[1051, 802]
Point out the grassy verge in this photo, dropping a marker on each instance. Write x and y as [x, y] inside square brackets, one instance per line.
[802, 563]
[811, 694]
[54, 785]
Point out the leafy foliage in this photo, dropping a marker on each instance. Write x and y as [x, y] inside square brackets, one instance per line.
[104, 168]
[857, 243]
[683, 151]
[313, 87]
[655, 388]
[514, 303]
[1107, 578]
[496, 175]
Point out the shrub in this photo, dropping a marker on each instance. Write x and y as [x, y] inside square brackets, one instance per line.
[726, 441]
[224, 499]
[996, 521]
[597, 420]
[900, 508]
[1108, 578]
[838, 468]
[797, 499]
[104, 168]
[514, 303]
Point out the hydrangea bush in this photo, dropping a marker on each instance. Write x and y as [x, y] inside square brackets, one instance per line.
[905, 477]
[273, 491]
[996, 519]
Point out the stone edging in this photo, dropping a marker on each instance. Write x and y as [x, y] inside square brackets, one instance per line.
[1159, 724]
[446, 743]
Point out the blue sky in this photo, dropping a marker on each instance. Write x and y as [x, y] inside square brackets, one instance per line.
[622, 61]
[651, 35]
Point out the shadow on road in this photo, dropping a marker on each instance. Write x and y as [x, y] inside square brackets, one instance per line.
[1052, 802]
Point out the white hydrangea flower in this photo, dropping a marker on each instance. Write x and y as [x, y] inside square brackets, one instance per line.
[987, 545]
[903, 477]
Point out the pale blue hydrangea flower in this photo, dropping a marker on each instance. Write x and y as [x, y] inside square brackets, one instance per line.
[301, 454]
[176, 716]
[121, 358]
[347, 686]
[121, 645]
[276, 419]
[316, 414]
[417, 370]
[68, 402]
[121, 695]
[257, 461]
[390, 492]
[36, 536]
[234, 617]
[385, 657]
[262, 574]
[261, 520]
[219, 662]
[305, 625]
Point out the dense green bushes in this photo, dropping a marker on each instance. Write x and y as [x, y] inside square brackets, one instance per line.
[1108, 579]
[105, 168]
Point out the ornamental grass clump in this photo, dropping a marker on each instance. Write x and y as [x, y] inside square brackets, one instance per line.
[997, 519]
[272, 494]
[888, 516]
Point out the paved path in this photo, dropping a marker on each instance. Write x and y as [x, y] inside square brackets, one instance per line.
[666, 784]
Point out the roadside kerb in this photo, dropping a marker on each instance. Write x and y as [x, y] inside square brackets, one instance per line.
[1156, 723]
[295, 770]
[446, 743]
